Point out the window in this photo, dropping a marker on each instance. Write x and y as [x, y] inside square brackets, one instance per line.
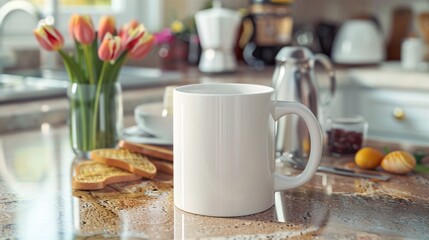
[146, 11]
[20, 25]
[77, 2]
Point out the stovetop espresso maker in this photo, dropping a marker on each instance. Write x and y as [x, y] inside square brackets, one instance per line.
[294, 79]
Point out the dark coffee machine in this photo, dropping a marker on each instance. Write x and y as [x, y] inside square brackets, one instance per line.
[268, 28]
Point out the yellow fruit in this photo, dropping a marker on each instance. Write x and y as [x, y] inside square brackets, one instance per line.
[399, 162]
[368, 158]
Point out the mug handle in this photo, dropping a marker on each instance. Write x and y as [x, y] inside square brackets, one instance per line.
[282, 108]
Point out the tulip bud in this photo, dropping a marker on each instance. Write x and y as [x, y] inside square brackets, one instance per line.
[48, 37]
[142, 47]
[83, 29]
[72, 24]
[107, 25]
[110, 48]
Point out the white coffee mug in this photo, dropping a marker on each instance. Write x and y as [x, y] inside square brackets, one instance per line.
[224, 148]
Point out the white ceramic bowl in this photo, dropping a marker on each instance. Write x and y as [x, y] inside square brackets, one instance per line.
[149, 118]
[358, 42]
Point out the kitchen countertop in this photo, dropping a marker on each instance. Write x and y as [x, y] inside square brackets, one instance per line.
[37, 202]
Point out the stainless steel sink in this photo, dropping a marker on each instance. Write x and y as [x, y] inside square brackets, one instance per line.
[36, 84]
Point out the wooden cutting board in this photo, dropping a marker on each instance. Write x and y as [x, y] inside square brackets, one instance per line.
[401, 23]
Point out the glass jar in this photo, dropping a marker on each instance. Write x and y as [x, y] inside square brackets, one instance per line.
[96, 116]
[346, 134]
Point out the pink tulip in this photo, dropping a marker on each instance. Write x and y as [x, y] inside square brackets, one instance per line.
[110, 48]
[83, 29]
[130, 25]
[131, 34]
[142, 47]
[107, 25]
[48, 37]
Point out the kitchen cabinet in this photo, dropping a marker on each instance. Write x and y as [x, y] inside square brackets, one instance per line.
[396, 107]
[395, 114]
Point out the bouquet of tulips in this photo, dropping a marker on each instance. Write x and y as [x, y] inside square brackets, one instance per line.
[100, 54]
[93, 69]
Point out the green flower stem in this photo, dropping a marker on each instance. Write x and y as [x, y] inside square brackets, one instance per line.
[73, 69]
[83, 118]
[117, 66]
[89, 64]
[96, 103]
[78, 125]
[79, 55]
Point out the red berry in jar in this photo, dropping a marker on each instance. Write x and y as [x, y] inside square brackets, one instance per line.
[341, 141]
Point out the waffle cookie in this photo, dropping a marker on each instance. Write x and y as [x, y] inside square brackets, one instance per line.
[93, 175]
[127, 160]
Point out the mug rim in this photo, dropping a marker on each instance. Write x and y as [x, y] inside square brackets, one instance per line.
[202, 89]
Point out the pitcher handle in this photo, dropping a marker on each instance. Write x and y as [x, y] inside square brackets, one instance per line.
[326, 63]
[282, 108]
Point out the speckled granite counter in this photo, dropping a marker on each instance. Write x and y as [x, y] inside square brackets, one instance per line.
[37, 202]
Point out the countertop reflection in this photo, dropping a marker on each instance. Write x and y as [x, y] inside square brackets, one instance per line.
[37, 202]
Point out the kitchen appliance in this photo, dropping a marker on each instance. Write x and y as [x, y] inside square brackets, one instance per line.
[217, 28]
[294, 79]
[268, 27]
[358, 41]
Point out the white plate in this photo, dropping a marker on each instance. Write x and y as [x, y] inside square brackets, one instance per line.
[136, 135]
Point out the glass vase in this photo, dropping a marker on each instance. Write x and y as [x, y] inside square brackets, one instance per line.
[96, 116]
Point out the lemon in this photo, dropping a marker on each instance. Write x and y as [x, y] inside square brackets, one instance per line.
[368, 158]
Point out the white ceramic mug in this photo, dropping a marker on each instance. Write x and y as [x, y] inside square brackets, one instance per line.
[224, 148]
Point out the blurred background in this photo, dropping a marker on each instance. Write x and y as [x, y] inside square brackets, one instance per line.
[314, 23]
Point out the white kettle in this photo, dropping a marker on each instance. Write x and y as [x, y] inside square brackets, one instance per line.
[217, 28]
[358, 41]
